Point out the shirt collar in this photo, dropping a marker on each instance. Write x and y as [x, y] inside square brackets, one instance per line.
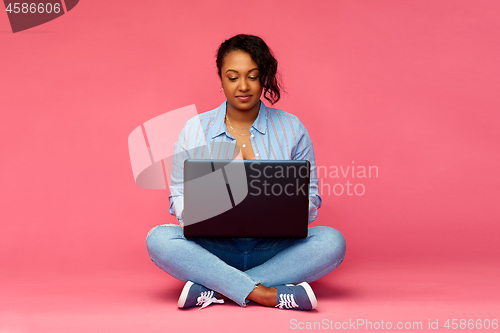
[219, 125]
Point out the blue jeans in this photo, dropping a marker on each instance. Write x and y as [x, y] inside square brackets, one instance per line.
[234, 266]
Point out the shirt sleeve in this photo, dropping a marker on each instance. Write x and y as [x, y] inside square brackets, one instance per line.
[305, 151]
[176, 197]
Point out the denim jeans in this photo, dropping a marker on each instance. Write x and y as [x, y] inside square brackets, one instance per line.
[234, 266]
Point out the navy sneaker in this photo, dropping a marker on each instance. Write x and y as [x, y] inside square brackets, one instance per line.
[297, 297]
[195, 295]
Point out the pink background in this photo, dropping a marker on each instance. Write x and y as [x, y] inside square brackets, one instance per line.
[409, 87]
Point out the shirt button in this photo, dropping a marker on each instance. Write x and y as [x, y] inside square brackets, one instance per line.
[257, 154]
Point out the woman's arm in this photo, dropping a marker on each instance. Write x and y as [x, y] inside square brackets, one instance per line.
[176, 197]
[304, 151]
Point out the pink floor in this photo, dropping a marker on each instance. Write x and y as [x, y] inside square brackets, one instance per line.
[145, 301]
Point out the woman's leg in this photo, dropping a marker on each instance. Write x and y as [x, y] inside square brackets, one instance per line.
[186, 260]
[275, 262]
[303, 260]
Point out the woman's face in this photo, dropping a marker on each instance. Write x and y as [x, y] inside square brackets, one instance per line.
[240, 81]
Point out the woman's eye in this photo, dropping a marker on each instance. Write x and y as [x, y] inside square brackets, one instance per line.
[232, 78]
[254, 78]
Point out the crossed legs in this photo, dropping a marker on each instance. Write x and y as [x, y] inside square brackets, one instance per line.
[244, 269]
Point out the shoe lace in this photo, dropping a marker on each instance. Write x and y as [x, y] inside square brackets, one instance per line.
[287, 301]
[206, 298]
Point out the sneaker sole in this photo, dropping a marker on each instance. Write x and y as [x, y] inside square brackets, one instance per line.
[310, 294]
[184, 294]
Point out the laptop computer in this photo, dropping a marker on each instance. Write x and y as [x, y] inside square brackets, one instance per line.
[246, 198]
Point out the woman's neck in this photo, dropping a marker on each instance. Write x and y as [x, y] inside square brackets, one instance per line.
[242, 118]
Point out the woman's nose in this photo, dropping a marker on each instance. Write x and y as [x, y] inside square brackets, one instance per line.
[244, 85]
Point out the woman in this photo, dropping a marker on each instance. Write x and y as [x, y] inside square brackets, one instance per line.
[242, 269]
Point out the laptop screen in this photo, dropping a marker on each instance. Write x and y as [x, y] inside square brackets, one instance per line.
[246, 198]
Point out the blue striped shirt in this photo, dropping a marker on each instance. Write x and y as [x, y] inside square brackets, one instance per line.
[277, 135]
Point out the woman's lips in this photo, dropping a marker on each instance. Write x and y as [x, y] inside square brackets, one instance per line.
[243, 98]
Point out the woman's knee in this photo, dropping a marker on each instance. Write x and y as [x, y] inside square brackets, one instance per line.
[331, 240]
[158, 237]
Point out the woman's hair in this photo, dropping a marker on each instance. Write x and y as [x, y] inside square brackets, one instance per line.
[263, 57]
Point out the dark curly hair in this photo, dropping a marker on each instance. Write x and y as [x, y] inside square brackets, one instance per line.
[263, 57]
